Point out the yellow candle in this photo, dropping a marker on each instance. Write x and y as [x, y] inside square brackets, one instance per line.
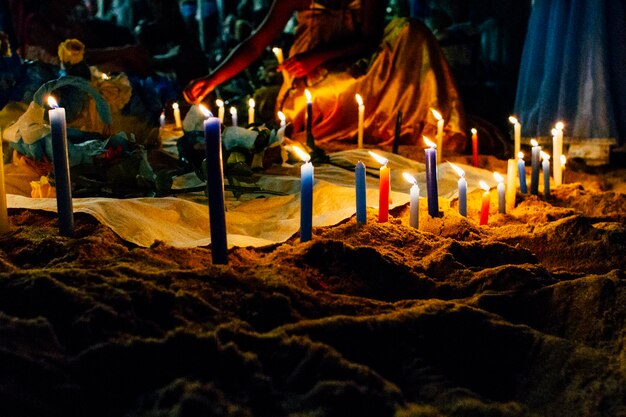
[517, 134]
[511, 177]
[251, 111]
[279, 54]
[359, 101]
[178, 124]
[557, 151]
[4, 216]
[220, 110]
[233, 115]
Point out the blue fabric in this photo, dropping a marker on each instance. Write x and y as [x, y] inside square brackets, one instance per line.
[572, 69]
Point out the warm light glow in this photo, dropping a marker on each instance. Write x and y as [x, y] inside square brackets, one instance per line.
[544, 155]
[484, 185]
[219, 103]
[520, 155]
[559, 125]
[52, 102]
[233, 111]
[563, 160]
[277, 51]
[281, 116]
[104, 76]
[309, 98]
[513, 120]
[301, 153]
[410, 178]
[498, 177]
[429, 143]
[474, 131]
[381, 160]
[175, 106]
[205, 111]
[534, 142]
[436, 114]
[251, 103]
[459, 171]
[359, 100]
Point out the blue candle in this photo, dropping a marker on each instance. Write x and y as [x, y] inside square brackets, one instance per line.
[462, 187]
[359, 175]
[521, 168]
[306, 195]
[215, 189]
[58, 134]
[431, 178]
[546, 174]
[310, 141]
[535, 165]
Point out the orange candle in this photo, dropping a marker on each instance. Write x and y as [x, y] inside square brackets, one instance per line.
[484, 210]
[383, 190]
[475, 146]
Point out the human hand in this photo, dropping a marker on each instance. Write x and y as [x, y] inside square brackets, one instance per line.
[197, 90]
[301, 64]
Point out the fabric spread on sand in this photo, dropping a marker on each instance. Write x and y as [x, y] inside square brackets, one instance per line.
[257, 219]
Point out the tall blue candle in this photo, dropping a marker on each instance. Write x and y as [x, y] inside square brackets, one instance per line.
[546, 174]
[431, 178]
[58, 134]
[521, 169]
[359, 177]
[215, 189]
[306, 195]
[310, 140]
[535, 166]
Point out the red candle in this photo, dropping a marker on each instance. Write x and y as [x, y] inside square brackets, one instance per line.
[383, 190]
[475, 146]
[484, 210]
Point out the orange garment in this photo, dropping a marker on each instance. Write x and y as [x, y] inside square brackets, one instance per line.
[407, 73]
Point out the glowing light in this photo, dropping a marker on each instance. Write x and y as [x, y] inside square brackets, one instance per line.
[544, 155]
[560, 125]
[52, 102]
[534, 142]
[380, 159]
[429, 143]
[520, 155]
[474, 131]
[302, 154]
[309, 97]
[484, 185]
[436, 114]
[219, 102]
[205, 111]
[499, 178]
[459, 171]
[251, 103]
[359, 100]
[513, 120]
[409, 178]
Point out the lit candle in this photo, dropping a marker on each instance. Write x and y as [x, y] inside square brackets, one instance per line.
[178, 124]
[501, 197]
[521, 171]
[475, 146]
[517, 134]
[359, 176]
[484, 209]
[215, 186]
[557, 151]
[58, 134]
[162, 120]
[563, 161]
[310, 141]
[4, 215]
[439, 137]
[545, 164]
[220, 110]
[251, 111]
[279, 55]
[306, 195]
[359, 101]
[233, 115]
[384, 187]
[431, 178]
[414, 200]
[462, 188]
[282, 118]
[511, 175]
[535, 167]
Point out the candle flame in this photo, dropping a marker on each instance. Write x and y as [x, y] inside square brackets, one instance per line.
[233, 111]
[534, 142]
[474, 131]
[281, 116]
[554, 131]
[104, 76]
[459, 171]
[563, 160]
[520, 155]
[436, 114]
[559, 125]
[429, 143]
[309, 98]
[52, 102]
[251, 103]
[513, 120]
[302, 154]
[205, 111]
[484, 185]
[498, 177]
[277, 51]
[175, 106]
[544, 155]
[410, 178]
[358, 98]
[380, 159]
[219, 102]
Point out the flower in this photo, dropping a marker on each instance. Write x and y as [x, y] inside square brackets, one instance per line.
[42, 188]
[71, 51]
[115, 90]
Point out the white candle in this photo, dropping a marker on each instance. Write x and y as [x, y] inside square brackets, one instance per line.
[511, 176]
[557, 151]
[233, 115]
[162, 120]
[282, 118]
[178, 124]
[439, 137]
[359, 101]
[251, 111]
[279, 54]
[220, 110]
[501, 197]
[414, 200]
[462, 188]
[535, 161]
[517, 134]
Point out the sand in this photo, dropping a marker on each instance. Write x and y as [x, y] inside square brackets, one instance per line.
[521, 317]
